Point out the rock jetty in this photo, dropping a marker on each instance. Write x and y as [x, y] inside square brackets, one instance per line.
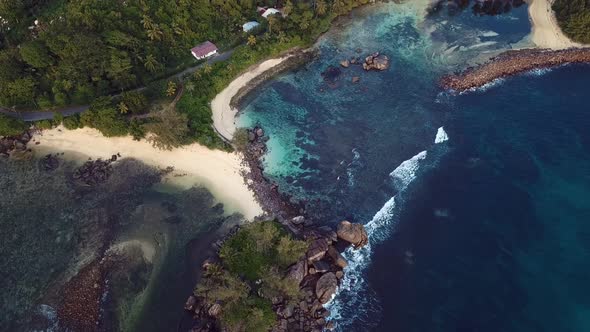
[511, 63]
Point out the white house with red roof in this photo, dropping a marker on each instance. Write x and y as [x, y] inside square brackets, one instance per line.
[204, 50]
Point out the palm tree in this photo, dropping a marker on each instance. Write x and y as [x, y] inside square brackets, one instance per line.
[288, 8]
[147, 22]
[321, 8]
[272, 20]
[171, 90]
[251, 40]
[123, 108]
[151, 64]
[282, 37]
[190, 87]
[155, 33]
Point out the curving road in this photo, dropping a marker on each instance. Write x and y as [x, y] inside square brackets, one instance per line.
[70, 110]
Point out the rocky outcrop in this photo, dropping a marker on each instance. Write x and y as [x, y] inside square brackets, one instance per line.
[376, 61]
[317, 249]
[326, 287]
[337, 257]
[298, 271]
[318, 274]
[353, 233]
[18, 143]
[94, 172]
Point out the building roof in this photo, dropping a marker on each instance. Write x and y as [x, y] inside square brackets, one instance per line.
[204, 49]
[270, 11]
[250, 25]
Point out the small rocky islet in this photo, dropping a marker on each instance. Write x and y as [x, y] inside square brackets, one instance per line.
[374, 61]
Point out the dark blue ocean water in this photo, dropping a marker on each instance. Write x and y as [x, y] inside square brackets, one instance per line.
[486, 231]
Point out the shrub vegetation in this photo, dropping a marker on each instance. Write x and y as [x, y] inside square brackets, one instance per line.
[256, 257]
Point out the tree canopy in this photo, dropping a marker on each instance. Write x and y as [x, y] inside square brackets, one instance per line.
[574, 18]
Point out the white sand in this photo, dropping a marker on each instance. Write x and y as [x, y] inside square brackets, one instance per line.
[216, 170]
[148, 249]
[224, 116]
[546, 32]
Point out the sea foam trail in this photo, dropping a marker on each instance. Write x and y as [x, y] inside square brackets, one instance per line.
[352, 303]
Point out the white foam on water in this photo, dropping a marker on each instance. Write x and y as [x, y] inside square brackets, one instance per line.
[353, 166]
[49, 313]
[486, 87]
[441, 136]
[490, 34]
[355, 308]
[405, 173]
[538, 72]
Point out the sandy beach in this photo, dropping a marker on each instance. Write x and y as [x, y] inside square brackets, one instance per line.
[218, 171]
[546, 33]
[223, 114]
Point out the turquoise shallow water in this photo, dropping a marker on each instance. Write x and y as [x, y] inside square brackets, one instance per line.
[484, 232]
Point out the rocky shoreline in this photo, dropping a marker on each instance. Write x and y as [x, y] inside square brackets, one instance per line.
[274, 203]
[512, 63]
[318, 275]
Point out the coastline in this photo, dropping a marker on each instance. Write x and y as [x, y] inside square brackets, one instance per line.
[546, 32]
[220, 172]
[224, 105]
[553, 48]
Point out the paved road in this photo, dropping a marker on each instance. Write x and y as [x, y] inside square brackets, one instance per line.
[44, 115]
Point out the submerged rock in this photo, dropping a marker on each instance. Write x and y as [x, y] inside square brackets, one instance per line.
[331, 74]
[49, 163]
[345, 63]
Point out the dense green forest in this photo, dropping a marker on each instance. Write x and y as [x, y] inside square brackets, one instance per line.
[56, 53]
[574, 18]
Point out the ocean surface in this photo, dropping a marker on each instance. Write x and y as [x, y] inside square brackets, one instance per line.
[477, 205]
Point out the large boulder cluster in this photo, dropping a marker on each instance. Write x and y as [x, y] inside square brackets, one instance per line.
[17, 143]
[376, 61]
[318, 274]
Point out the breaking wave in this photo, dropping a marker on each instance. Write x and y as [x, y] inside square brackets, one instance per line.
[441, 136]
[355, 302]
